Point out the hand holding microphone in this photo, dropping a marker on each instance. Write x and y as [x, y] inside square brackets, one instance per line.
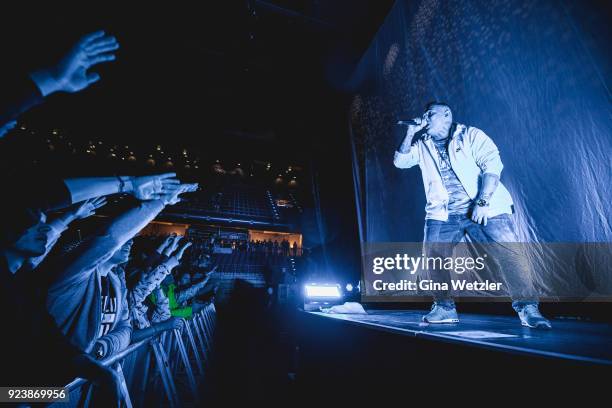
[414, 126]
[416, 123]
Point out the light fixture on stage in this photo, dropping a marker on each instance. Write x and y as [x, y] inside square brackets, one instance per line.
[317, 295]
[349, 287]
[322, 291]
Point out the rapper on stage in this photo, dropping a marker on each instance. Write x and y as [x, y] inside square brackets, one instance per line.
[461, 169]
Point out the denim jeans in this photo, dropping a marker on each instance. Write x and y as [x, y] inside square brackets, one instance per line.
[497, 240]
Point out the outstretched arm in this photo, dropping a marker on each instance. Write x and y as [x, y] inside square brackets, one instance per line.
[147, 283]
[187, 294]
[46, 194]
[83, 210]
[162, 307]
[71, 74]
[142, 188]
[104, 244]
[118, 232]
[157, 257]
[150, 280]
[170, 324]
[61, 223]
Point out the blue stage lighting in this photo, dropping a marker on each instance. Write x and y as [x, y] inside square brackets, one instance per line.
[349, 287]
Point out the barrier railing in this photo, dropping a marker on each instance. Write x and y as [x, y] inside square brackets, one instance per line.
[162, 365]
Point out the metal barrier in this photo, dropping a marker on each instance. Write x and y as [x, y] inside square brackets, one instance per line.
[159, 366]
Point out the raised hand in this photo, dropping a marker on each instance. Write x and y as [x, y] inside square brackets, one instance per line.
[181, 251]
[155, 187]
[89, 207]
[172, 198]
[169, 250]
[70, 74]
[190, 188]
[170, 238]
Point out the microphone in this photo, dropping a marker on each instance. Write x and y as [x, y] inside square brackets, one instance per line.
[408, 122]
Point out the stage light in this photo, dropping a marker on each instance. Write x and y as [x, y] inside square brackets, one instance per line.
[314, 290]
[349, 287]
[317, 295]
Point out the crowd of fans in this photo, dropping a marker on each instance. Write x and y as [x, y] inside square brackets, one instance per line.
[67, 306]
[266, 246]
[284, 247]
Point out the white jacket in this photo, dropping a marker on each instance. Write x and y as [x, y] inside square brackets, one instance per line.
[472, 153]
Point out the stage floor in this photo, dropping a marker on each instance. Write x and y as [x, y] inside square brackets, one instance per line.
[572, 340]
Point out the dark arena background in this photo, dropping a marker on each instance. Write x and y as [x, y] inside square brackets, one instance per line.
[280, 119]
